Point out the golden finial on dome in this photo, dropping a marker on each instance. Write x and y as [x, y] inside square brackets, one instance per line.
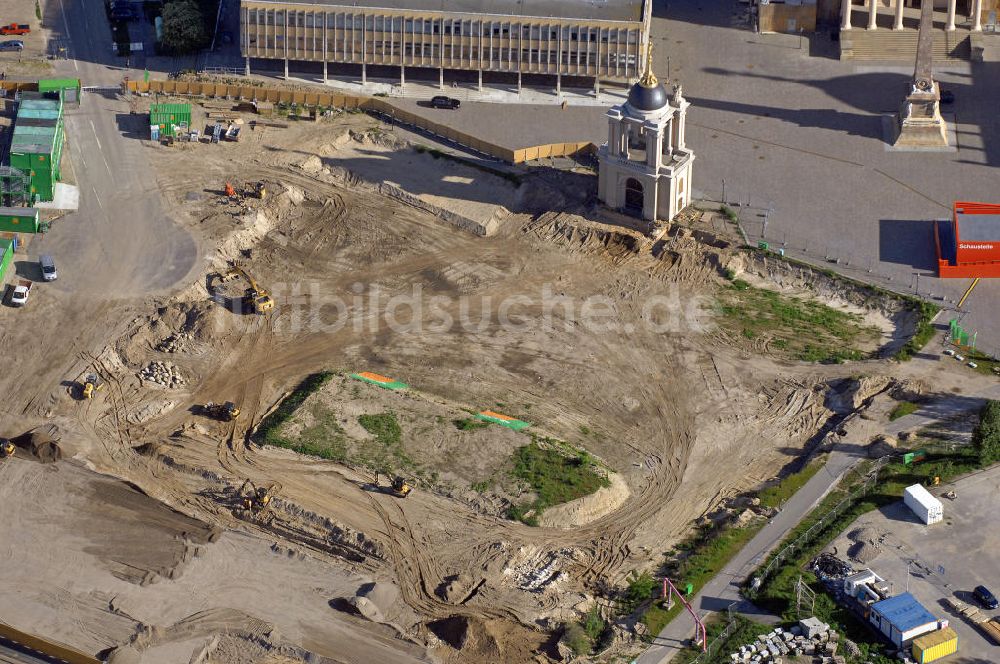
[648, 79]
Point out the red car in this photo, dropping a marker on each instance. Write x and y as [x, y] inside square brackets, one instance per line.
[15, 29]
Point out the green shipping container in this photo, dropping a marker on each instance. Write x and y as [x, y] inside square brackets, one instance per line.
[19, 220]
[6, 256]
[36, 147]
[166, 116]
[68, 88]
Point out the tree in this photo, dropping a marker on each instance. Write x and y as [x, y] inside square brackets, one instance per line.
[640, 587]
[183, 27]
[986, 437]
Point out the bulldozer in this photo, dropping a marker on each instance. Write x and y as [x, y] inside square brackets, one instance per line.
[256, 499]
[256, 298]
[91, 383]
[226, 412]
[400, 487]
[7, 448]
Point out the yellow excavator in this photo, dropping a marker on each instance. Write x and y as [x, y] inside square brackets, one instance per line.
[400, 487]
[256, 499]
[91, 383]
[227, 412]
[256, 298]
[7, 448]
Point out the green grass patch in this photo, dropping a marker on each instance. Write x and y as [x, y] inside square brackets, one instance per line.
[923, 332]
[267, 432]
[555, 477]
[987, 364]
[775, 496]
[729, 213]
[902, 409]
[807, 330]
[469, 424]
[383, 426]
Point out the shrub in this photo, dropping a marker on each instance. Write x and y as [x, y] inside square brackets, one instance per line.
[183, 27]
[986, 437]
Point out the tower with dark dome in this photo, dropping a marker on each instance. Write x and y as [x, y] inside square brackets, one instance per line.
[645, 167]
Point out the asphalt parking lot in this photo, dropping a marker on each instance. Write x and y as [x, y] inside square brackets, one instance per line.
[947, 559]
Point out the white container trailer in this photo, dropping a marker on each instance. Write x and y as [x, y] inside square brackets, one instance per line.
[927, 508]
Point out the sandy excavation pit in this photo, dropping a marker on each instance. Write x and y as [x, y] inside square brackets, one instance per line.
[652, 392]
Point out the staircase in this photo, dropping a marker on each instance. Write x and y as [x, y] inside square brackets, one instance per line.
[901, 45]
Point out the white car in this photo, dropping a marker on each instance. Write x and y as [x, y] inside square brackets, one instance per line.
[948, 351]
[48, 267]
[972, 365]
[960, 358]
[20, 295]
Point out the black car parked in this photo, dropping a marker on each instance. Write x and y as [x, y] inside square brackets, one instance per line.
[445, 102]
[985, 597]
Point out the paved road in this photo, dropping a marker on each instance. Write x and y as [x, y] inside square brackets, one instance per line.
[724, 589]
[120, 243]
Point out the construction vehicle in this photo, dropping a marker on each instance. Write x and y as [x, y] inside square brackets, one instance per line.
[256, 499]
[227, 412]
[7, 448]
[256, 190]
[255, 298]
[91, 383]
[400, 487]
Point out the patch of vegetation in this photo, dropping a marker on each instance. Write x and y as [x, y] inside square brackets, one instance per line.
[383, 426]
[585, 636]
[810, 331]
[729, 213]
[555, 477]
[729, 273]
[267, 432]
[469, 424]
[184, 28]
[923, 332]
[986, 364]
[777, 495]
[902, 409]
[986, 436]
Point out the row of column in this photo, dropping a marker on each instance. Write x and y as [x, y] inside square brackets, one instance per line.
[846, 7]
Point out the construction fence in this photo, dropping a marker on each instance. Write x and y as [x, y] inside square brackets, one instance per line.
[378, 105]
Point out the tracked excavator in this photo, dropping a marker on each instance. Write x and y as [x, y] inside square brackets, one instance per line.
[256, 499]
[91, 383]
[256, 298]
[400, 487]
[226, 412]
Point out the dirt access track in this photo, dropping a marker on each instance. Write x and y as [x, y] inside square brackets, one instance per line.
[680, 413]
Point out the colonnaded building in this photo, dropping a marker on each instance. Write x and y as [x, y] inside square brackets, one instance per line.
[598, 39]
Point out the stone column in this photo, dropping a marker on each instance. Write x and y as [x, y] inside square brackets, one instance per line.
[898, 25]
[612, 147]
[873, 14]
[845, 11]
[364, 74]
[248, 66]
[324, 72]
[951, 15]
[402, 75]
[977, 17]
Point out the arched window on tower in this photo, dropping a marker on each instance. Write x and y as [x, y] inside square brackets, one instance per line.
[636, 143]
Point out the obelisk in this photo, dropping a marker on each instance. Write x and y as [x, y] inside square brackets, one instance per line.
[919, 122]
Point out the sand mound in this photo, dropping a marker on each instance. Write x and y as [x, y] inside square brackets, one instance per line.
[863, 552]
[864, 534]
[367, 609]
[589, 508]
[383, 596]
[455, 588]
[312, 164]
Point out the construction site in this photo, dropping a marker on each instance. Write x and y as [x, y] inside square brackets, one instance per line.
[311, 446]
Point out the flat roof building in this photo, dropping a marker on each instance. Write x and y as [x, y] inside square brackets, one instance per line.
[969, 246]
[901, 619]
[605, 39]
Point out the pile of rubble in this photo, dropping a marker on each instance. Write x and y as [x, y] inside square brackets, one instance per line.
[163, 374]
[829, 567]
[810, 638]
[174, 343]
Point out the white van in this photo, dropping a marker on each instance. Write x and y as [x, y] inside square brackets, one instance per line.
[48, 267]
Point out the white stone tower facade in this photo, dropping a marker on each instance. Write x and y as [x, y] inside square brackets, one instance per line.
[645, 167]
